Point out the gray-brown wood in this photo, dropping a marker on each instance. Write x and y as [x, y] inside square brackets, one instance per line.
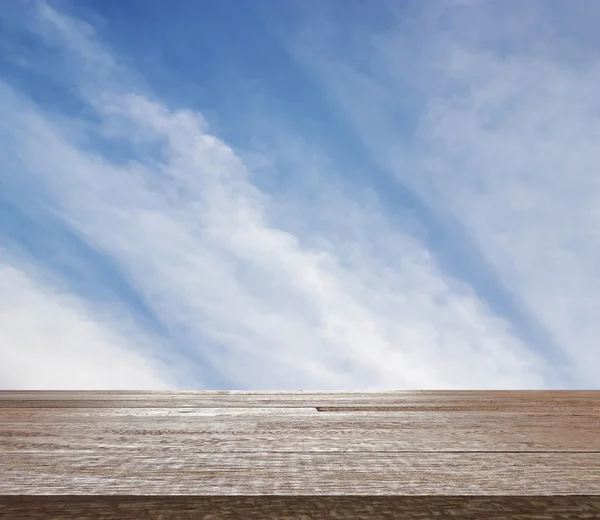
[486, 444]
[239, 430]
[301, 508]
[555, 401]
[182, 471]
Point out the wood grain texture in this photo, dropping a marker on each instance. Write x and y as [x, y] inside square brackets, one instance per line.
[300, 507]
[289, 444]
[239, 430]
[185, 472]
[555, 401]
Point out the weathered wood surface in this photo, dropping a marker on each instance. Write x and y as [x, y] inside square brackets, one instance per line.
[469, 451]
[300, 507]
[249, 430]
[380, 443]
[184, 472]
[570, 402]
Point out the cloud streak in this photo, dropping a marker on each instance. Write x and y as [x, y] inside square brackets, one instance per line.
[502, 142]
[238, 294]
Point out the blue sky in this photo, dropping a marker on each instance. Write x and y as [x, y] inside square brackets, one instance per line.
[299, 194]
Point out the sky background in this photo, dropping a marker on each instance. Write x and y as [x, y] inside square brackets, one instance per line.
[299, 194]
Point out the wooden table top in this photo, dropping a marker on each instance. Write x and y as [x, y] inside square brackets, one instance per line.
[300, 443]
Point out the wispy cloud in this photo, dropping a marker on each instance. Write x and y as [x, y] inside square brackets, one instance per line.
[212, 282]
[502, 142]
[51, 340]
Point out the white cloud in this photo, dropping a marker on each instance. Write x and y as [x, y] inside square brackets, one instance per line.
[506, 141]
[50, 340]
[358, 304]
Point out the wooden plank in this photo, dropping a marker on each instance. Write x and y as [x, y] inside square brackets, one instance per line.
[293, 429]
[551, 401]
[300, 507]
[294, 443]
[183, 472]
